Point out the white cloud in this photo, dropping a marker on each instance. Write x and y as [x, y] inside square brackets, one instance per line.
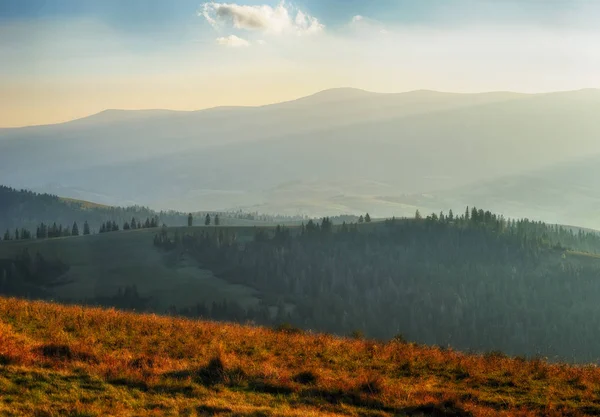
[270, 20]
[233, 41]
[357, 18]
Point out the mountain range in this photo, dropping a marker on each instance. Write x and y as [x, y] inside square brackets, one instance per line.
[338, 151]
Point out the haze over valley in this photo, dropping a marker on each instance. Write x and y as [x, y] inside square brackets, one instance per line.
[338, 151]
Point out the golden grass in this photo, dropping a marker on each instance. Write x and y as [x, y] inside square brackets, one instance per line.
[72, 361]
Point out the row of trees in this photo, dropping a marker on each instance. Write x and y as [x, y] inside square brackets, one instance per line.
[207, 220]
[112, 226]
[44, 231]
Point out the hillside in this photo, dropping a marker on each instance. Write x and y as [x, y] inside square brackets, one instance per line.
[339, 151]
[476, 282]
[74, 361]
[26, 209]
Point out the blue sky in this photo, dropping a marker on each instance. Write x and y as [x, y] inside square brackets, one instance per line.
[64, 59]
[145, 15]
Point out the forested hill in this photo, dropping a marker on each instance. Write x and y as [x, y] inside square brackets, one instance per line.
[24, 209]
[476, 281]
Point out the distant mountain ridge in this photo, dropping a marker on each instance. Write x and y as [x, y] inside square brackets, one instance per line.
[344, 148]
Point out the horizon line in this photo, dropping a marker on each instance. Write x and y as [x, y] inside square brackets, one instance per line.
[423, 90]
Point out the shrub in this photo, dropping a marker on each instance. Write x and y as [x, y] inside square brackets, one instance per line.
[305, 378]
[288, 328]
[357, 335]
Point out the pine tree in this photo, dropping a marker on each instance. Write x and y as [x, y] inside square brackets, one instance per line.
[217, 220]
[86, 228]
[17, 235]
[207, 220]
[361, 219]
[367, 218]
[418, 215]
[190, 220]
[75, 229]
[134, 225]
[7, 235]
[126, 226]
[103, 228]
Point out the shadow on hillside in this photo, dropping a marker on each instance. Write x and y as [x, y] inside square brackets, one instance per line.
[65, 353]
[215, 373]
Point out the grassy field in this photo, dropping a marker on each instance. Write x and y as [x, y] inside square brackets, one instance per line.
[101, 264]
[73, 361]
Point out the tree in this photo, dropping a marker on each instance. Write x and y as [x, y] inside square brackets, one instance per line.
[17, 235]
[190, 220]
[86, 228]
[207, 220]
[134, 225]
[126, 226]
[418, 215]
[7, 235]
[217, 220]
[367, 218]
[75, 229]
[361, 219]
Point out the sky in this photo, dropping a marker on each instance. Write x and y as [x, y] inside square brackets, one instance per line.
[65, 59]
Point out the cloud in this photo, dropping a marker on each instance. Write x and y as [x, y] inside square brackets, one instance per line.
[269, 20]
[357, 18]
[233, 41]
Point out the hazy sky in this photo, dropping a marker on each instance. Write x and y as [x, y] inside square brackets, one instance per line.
[64, 59]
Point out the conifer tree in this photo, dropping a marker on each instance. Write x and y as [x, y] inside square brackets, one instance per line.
[361, 219]
[126, 226]
[75, 229]
[7, 235]
[86, 228]
[207, 220]
[217, 220]
[367, 218]
[190, 220]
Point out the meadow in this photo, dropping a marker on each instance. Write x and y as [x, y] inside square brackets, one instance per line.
[73, 361]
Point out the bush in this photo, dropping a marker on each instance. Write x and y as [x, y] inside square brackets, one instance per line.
[305, 378]
[357, 335]
[288, 328]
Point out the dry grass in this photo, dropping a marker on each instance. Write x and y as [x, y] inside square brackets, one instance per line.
[72, 361]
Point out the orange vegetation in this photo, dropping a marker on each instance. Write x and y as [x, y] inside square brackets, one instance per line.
[73, 361]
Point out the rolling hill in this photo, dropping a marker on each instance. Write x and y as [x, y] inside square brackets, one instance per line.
[74, 361]
[337, 151]
[475, 283]
[27, 209]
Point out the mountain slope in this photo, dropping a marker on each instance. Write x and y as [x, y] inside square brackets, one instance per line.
[241, 157]
[78, 361]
